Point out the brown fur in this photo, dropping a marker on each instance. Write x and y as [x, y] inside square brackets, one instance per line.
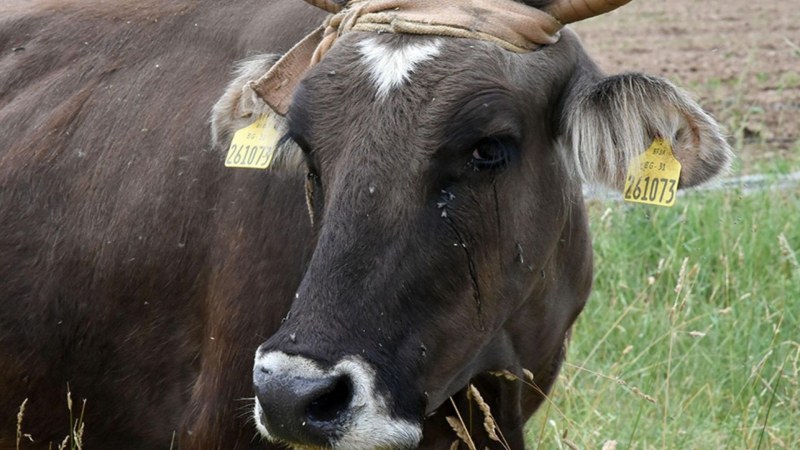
[120, 232]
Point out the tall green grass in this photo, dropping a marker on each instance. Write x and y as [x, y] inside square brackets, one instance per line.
[691, 338]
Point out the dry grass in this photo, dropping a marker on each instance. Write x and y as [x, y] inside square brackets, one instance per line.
[20, 417]
[72, 441]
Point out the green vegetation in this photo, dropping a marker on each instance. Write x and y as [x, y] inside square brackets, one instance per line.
[691, 338]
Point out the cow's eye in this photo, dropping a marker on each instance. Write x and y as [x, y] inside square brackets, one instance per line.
[492, 153]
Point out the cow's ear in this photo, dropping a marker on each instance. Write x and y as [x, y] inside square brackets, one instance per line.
[611, 120]
[240, 106]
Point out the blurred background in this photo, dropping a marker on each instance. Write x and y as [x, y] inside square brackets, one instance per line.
[739, 58]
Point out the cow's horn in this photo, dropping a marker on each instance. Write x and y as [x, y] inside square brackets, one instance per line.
[331, 6]
[569, 11]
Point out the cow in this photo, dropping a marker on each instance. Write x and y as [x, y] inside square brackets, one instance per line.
[422, 229]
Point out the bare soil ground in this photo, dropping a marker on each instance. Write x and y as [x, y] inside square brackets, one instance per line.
[739, 58]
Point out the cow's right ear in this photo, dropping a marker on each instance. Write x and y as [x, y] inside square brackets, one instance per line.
[611, 120]
[240, 106]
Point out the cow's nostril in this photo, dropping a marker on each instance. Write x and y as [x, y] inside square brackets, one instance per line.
[332, 404]
[300, 403]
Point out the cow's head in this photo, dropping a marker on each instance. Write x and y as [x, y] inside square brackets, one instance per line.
[445, 185]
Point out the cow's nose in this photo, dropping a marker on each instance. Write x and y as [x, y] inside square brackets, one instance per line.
[302, 407]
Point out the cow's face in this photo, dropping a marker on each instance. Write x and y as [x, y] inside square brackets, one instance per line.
[449, 224]
[439, 200]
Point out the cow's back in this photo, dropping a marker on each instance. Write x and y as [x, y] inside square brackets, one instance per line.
[123, 268]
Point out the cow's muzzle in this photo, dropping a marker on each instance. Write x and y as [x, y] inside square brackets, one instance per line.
[301, 402]
[303, 408]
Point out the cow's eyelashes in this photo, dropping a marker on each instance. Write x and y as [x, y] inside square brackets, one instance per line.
[492, 153]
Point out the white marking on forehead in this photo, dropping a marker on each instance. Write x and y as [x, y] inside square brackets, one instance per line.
[390, 66]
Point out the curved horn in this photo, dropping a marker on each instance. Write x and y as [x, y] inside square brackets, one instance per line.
[331, 6]
[569, 11]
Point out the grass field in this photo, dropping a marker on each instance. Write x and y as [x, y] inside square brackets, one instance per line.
[691, 338]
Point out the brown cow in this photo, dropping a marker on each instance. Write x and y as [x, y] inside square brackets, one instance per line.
[449, 238]
[132, 264]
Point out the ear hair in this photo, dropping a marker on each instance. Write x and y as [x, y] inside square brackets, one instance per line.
[617, 118]
[240, 106]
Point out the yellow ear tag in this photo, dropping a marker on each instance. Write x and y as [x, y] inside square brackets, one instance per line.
[653, 176]
[253, 147]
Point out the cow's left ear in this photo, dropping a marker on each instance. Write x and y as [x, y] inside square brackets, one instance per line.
[611, 120]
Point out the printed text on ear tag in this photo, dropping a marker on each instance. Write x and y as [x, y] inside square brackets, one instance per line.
[653, 176]
[253, 147]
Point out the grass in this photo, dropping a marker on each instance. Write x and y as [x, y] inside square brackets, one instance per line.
[72, 441]
[691, 338]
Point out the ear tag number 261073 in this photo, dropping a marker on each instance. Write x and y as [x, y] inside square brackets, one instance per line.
[253, 147]
[653, 177]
